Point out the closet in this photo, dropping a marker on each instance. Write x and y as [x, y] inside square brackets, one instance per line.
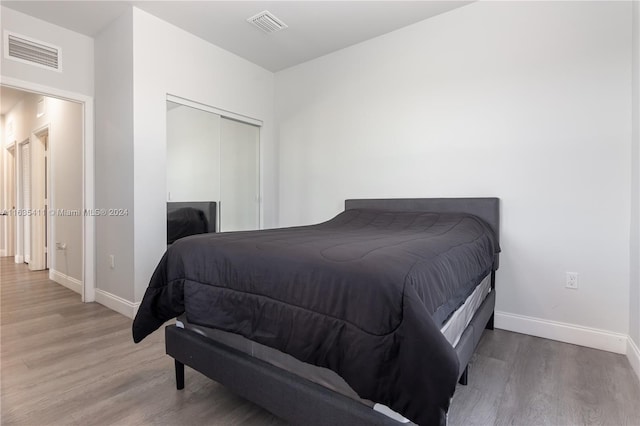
[214, 156]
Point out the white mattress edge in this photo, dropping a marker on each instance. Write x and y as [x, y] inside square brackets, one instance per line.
[460, 319]
[383, 409]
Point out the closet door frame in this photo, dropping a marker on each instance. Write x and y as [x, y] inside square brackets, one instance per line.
[220, 112]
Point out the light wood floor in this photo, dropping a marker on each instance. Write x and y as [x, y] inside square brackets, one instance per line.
[68, 363]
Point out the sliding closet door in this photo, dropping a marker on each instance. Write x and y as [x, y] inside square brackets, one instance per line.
[211, 157]
[239, 176]
[193, 154]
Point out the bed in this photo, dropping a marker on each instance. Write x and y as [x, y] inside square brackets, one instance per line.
[340, 322]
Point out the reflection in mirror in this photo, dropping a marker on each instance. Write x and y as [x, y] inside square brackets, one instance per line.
[239, 184]
[193, 154]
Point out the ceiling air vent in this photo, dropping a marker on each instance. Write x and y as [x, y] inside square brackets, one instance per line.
[30, 51]
[267, 22]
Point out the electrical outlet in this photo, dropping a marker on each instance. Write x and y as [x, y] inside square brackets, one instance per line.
[112, 261]
[572, 280]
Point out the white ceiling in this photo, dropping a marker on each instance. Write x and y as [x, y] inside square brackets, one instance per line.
[316, 28]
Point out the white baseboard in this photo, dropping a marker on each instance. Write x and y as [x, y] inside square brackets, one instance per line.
[633, 354]
[18, 258]
[66, 281]
[117, 303]
[563, 332]
[3, 253]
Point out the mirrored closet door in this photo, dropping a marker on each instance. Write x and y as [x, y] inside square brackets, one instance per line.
[239, 179]
[214, 158]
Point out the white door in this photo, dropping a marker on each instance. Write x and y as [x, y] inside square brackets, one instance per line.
[239, 176]
[38, 183]
[25, 181]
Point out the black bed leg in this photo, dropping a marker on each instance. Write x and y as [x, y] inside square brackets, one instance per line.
[489, 325]
[179, 375]
[464, 377]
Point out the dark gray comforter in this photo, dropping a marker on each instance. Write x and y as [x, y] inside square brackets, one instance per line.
[363, 294]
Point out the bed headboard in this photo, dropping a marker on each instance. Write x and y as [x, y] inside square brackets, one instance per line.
[208, 207]
[487, 209]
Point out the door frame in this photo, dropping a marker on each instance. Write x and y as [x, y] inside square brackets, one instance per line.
[88, 174]
[10, 198]
[21, 255]
[37, 175]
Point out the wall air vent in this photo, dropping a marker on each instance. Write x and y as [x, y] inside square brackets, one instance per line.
[27, 50]
[267, 22]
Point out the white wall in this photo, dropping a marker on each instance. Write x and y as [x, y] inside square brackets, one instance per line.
[77, 54]
[634, 299]
[114, 157]
[527, 101]
[168, 60]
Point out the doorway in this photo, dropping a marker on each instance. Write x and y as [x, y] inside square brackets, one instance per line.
[86, 193]
[59, 174]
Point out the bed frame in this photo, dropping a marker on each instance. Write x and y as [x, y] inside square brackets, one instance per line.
[298, 400]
